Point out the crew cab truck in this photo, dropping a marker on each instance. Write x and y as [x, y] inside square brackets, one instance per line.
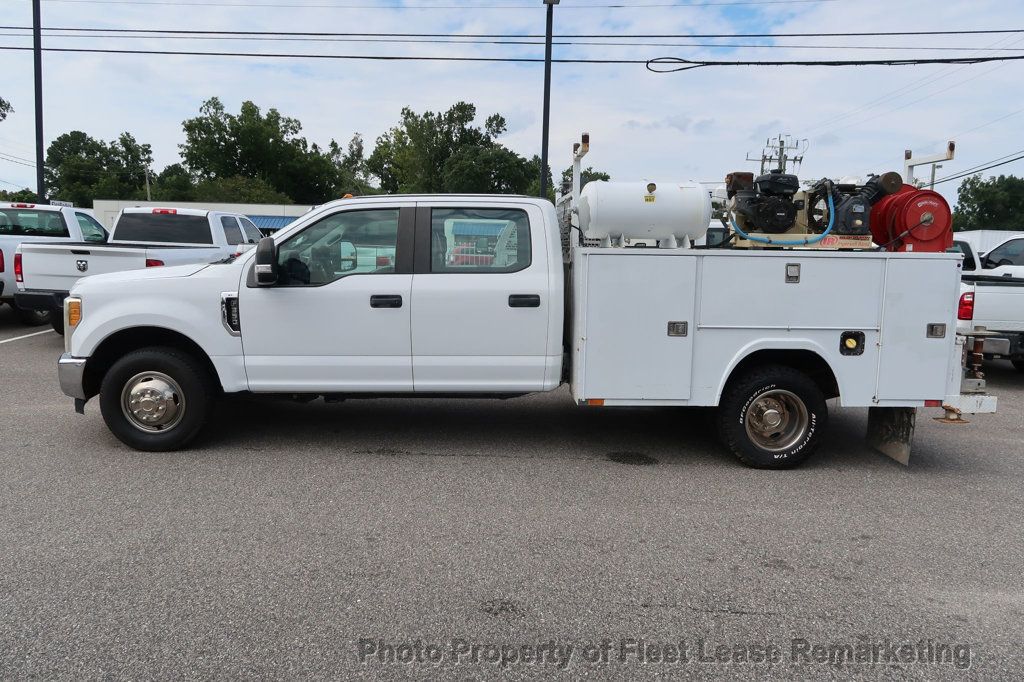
[480, 299]
[141, 238]
[20, 222]
[992, 301]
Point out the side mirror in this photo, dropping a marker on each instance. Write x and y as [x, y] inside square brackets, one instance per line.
[349, 257]
[266, 262]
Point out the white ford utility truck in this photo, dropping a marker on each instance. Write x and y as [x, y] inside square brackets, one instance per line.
[21, 222]
[992, 300]
[488, 296]
[141, 238]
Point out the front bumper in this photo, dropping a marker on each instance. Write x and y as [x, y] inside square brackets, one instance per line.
[41, 300]
[71, 374]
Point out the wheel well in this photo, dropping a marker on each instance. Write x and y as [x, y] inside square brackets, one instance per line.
[806, 361]
[119, 344]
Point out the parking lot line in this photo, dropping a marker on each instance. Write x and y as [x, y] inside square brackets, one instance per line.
[26, 336]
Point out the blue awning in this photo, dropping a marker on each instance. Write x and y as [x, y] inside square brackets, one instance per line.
[271, 222]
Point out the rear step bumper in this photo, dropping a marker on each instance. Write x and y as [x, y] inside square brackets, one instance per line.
[41, 300]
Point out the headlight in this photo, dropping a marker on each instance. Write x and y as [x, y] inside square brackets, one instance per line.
[72, 318]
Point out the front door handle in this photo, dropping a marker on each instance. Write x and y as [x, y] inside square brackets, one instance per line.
[524, 301]
[385, 301]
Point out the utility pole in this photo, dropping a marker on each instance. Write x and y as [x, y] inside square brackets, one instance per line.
[148, 197]
[37, 53]
[547, 99]
[935, 167]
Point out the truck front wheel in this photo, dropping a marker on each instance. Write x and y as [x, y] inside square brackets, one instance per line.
[156, 399]
[772, 417]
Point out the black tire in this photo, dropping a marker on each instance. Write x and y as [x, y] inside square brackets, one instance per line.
[804, 415]
[196, 397]
[1018, 365]
[32, 318]
[57, 322]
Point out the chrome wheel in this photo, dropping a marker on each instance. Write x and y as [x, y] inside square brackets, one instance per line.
[153, 402]
[776, 420]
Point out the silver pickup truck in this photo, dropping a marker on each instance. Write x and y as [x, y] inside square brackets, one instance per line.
[26, 222]
[141, 238]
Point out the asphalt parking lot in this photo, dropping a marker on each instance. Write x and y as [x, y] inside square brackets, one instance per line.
[292, 532]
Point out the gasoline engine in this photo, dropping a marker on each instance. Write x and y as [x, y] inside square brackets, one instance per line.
[772, 210]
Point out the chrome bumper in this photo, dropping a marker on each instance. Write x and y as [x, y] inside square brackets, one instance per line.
[70, 373]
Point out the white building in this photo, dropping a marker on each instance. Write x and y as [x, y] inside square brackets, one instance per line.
[268, 217]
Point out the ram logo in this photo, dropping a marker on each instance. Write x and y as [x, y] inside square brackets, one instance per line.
[82, 265]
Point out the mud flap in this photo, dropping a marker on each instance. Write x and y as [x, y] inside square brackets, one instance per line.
[891, 431]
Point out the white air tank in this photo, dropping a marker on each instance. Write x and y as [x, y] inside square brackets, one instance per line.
[644, 210]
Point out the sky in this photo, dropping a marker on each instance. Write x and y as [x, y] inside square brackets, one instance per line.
[694, 125]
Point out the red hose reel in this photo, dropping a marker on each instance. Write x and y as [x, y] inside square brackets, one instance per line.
[912, 219]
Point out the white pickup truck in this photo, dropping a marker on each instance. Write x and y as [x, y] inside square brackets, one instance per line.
[141, 238]
[488, 296]
[20, 222]
[992, 298]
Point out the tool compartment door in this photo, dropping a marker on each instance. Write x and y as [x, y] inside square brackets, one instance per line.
[918, 292]
[631, 299]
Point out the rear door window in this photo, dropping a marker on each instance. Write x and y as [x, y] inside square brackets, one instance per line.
[32, 223]
[92, 231]
[479, 240]
[169, 228]
[232, 232]
[965, 248]
[252, 233]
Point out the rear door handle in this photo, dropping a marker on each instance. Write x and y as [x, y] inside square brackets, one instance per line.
[524, 301]
[385, 301]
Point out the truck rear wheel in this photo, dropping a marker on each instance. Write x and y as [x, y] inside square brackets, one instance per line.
[772, 417]
[32, 318]
[156, 399]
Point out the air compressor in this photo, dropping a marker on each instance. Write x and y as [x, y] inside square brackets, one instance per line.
[772, 210]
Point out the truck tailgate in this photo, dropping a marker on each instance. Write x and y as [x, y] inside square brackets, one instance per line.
[999, 304]
[56, 267]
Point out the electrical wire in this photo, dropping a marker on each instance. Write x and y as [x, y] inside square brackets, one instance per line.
[962, 175]
[385, 58]
[529, 35]
[678, 64]
[325, 5]
[313, 39]
[687, 63]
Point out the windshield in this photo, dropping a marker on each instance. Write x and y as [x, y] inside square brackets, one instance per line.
[26, 221]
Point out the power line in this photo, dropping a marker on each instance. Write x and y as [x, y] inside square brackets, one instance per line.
[900, 92]
[326, 5]
[676, 64]
[978, 170]
[386, 58]
[312, 39]
[528, 35]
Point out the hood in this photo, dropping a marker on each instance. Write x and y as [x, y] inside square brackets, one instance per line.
[127, 276]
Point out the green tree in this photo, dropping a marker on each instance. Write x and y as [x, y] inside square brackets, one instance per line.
[993, 204]
[239, 190]
[267, 147]
[444, 152]
[5, 108]
[588, 174]
[18, 195]
[174, 183]
[80, 168]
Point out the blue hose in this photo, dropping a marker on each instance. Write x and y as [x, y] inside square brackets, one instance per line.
[790, 242]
